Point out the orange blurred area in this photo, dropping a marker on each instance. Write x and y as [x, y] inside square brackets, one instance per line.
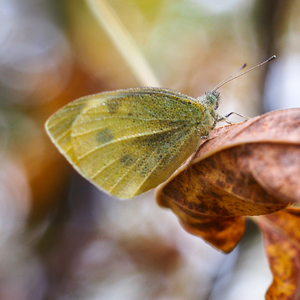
[60, 237]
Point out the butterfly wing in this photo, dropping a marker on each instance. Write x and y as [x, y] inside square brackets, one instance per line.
[129, 141]
[59, 127]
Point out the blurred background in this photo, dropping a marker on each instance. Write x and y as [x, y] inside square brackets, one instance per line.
[61, 238]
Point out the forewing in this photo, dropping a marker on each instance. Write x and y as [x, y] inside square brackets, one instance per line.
[59, 125]
[59, 128]
[130, 144]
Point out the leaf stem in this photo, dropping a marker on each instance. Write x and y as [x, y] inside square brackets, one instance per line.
[115, 29]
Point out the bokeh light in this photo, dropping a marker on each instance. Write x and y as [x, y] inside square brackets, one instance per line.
[63, 239]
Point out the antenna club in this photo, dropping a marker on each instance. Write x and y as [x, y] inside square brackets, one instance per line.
[271, 58]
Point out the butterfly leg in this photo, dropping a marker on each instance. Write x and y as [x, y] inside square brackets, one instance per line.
[237, 114]
[225, 118]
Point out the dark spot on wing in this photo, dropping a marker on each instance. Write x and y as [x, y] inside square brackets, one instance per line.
[126, 159]
[112, 106]
[104, 136]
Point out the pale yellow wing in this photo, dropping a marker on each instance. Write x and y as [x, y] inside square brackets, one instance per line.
[59, 127]
[129, 141]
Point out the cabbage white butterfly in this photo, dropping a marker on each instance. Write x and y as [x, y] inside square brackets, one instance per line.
[127, 142]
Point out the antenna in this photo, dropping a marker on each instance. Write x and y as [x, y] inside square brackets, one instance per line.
[234, 77]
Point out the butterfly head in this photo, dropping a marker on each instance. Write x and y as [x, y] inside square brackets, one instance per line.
[211, 99]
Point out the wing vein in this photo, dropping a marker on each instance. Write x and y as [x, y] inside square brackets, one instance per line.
[117, 117]
[98, 128]
[123, 176]
[63, 118]
[159, 161]
[104, 167]
[63, 135]
[129, 118]
[126, 138]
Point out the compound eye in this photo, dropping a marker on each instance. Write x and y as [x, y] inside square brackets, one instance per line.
[212, 99]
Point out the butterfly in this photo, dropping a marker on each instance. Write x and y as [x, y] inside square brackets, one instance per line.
[127, 142]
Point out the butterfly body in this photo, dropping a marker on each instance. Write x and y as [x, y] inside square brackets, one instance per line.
[129, 141]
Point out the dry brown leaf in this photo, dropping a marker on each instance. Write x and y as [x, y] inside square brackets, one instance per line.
[223, 233]
[281, 233]
[244, 170]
